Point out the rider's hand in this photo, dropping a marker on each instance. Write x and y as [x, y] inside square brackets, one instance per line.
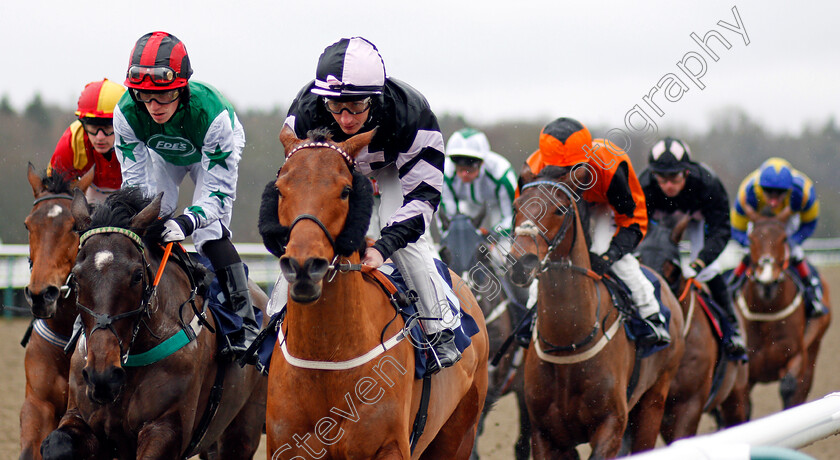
[694, 269]
[177, 228]
[483, 231]
[373, 258]
[600, 263]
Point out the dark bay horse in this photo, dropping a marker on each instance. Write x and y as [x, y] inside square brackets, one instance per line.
[471, 255]
[341, 382]
[691, 390]
[580, 365]
[782, 343]
[52, 250]
[144, 373]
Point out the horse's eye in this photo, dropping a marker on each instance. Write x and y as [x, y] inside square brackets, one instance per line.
[345, 192]
[279, 195]
[137, 277]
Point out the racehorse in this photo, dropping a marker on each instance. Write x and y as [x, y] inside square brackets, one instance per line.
[340, 370]
[470, 254]
[580, 381]
[693, 391]
[783, 343]
[144, 382]
[52, 250]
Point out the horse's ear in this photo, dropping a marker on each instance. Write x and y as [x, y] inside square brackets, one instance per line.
[525, 176]
[35, 180]
[476, 221]
[355, 144]
[149, 214]
[80, 210]
[288, 139]
[84, 182]
[581, 176]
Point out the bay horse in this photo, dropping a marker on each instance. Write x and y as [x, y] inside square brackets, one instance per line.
[144, 374]
[782, 342]
[340, 371]
[470, 254]
[693, 391]
[580, 381]
[52, 250]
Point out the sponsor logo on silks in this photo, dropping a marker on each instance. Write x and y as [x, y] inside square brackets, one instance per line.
[176, 150]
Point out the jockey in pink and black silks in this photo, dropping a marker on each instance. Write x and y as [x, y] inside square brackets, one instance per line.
[351, 94]
[168, 127]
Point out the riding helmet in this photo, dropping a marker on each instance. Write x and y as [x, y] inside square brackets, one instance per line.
[98, 99]
[669, 156]
[350, 68]
[776, 173]
[467, 143]
[158, 62]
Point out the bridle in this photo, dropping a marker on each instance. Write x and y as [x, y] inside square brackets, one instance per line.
[66, 288]
[335, 266]
[564, 262]
[105, 321]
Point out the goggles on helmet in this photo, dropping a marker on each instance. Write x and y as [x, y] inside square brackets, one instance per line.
[352, 107]
[774, 192]
[94, 128]
[160, 76]
[674, 177]
[466, 162]
[161, 97]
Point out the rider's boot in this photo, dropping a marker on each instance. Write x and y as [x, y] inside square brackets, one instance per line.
[657, 333]
[813, 291]
[735, 345]
[234, 284]
[445, 353]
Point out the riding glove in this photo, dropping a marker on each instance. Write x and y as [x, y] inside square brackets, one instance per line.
[177, 228]
[694, 269]
[600, 263]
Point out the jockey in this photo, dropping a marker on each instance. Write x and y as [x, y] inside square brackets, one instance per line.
[478, 180]
[774, 187]
[168, 127]
[617, 201]
[673, 183]
[352, 94]
[89, 141]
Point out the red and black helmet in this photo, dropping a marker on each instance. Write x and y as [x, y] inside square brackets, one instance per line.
[159, 61]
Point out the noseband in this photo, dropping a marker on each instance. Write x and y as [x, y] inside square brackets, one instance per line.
[105, 321]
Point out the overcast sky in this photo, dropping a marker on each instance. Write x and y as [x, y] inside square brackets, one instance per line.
[488, 60]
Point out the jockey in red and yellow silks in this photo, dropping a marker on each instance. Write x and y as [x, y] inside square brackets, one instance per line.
[619, 220]
[89, 141]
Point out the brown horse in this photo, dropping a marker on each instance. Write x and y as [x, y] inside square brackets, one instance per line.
[341, 382]
[144, 374]
[579, 368]
[691, 391]
[52, 250]
[782, 342]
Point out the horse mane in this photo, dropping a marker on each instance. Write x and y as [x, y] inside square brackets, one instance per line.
[57, 181]
[553, 173]
[120, 207]
[320, 135]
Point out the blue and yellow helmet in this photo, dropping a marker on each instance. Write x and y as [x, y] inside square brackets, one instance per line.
[776, 173]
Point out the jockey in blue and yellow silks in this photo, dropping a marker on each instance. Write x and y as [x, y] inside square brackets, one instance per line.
[773, 187]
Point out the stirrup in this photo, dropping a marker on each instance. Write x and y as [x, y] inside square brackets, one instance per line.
[735, 346]
[444, 352]
[658, 333]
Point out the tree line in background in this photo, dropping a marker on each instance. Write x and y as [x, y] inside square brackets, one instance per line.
[733, 146]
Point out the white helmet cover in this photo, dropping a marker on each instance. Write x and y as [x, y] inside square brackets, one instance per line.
[468, 142]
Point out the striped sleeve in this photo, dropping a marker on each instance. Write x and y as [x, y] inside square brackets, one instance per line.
[738, 216]
[804, 197]
[421, 180]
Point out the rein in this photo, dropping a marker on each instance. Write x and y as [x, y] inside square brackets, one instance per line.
[58, 196]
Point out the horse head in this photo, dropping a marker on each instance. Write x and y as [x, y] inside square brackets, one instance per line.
[769, 250]
[113, 284]
[546, 220]
[317, 210]
[52, 242]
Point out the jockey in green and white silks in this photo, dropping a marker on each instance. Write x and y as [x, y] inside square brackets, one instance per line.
[477, 180]
[168, 127]
[204, 139]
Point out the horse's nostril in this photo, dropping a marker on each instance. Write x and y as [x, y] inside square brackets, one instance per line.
[51, 294]
[316, 268]
[529, 261]
[290, 269]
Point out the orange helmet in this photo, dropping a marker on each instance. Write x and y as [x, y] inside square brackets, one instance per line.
[562, 142]
[99, 98]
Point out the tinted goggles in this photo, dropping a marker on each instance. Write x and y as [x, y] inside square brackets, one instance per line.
[160, 76]
[352, 107]
[161, 97]
[673, 178]
[94, 128]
